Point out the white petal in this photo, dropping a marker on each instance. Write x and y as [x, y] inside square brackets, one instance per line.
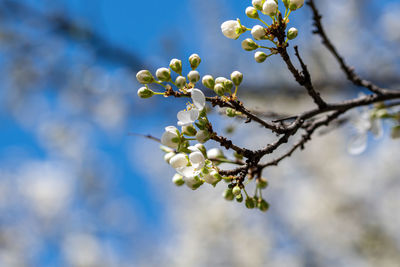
[214, 153]
[188, 172]
[198, 98]
[187, 117]
[197, 160]
[166, 139]
[376, 128]
[171, 129]
[178, 161]
[357, 144]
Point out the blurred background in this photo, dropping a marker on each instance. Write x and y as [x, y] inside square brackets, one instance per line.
[78, 189]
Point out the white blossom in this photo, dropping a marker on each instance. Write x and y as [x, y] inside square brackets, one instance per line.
[179, 161]
[187, 117]
[170, 137]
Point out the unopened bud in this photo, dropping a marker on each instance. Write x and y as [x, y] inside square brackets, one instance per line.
[237, 77]
[189, 130]
[144, 77]
[270, 7]
[230, 112]
[262, 205]
[168, 156]
[215, 153]
[177, 179]
[193, 76]
[251, 12]
[228, 195]
[228, 85]
[292, 33]
[258, 4]
[219, 89]
[260, 56]
[258, 32]
[194, 61]
[239, 198]
[180, 81]
[236, 190]
[202, 136]
[295, 4]
[249, 203]
[262, 183]
[145, 92]
[163, 74]
[208, 81]
[249, 44]
[220, 80]
[176, 65]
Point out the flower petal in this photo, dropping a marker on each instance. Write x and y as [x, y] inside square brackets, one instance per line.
[197, 159]
[357, 144]
[376, 128]
[187, 117]
[198, 98]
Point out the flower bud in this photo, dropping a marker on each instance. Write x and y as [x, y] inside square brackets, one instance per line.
[215, 153]
[163, 74]
[258, 32]
[228, 84]
[144, 76]
[193, 76]
[177, 179]
[228, 195]
[258, 4]
[230, 112]
[270, 7]
[194, 61]
[239, 198]
[202, 148]
[237, 77]
[249, 203]
[295, 4]
[286, 3]
[212, 177]
[292, 33]
[260, 56]
[193, 182]
[251, 12]
[176, 65]
[249, 44]
[180, 81]
[202, 136]
[145, 92]
[208, 81]
[168, 156]
[189, 130]
[219, 89]
[178, 161]
[236, 190]
[262, 205]
[262, 183]
[395, 133]
[231, 29]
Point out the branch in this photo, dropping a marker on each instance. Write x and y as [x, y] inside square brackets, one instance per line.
[349, 71]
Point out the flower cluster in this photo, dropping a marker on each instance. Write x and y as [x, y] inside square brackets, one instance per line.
[233, 28]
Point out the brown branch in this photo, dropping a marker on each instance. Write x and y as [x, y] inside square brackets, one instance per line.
[349, 71]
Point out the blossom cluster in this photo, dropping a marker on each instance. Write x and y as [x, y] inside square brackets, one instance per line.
[233, 29]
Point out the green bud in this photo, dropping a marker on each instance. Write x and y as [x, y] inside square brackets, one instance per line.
[177, 179]
[236, 190]
[228, 84]
[230, 112]
[251, 12]
[295, 4]
[237, 77]
[145, 92]
[194, 61]
[260, 56]
[144, 77]
[220, 80]
[176, 65]
[258, 4]
[262, 183]
[292, 33]
[208, 81]
[189, 130]
[219, 89]
[249, 203]
[163, 74]
[228, 195]
[202, 136]
[193, 76]
[286, 3]
[180, 81]
[239, 198]
[249, 44]
[262, 205]
[395, 134]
